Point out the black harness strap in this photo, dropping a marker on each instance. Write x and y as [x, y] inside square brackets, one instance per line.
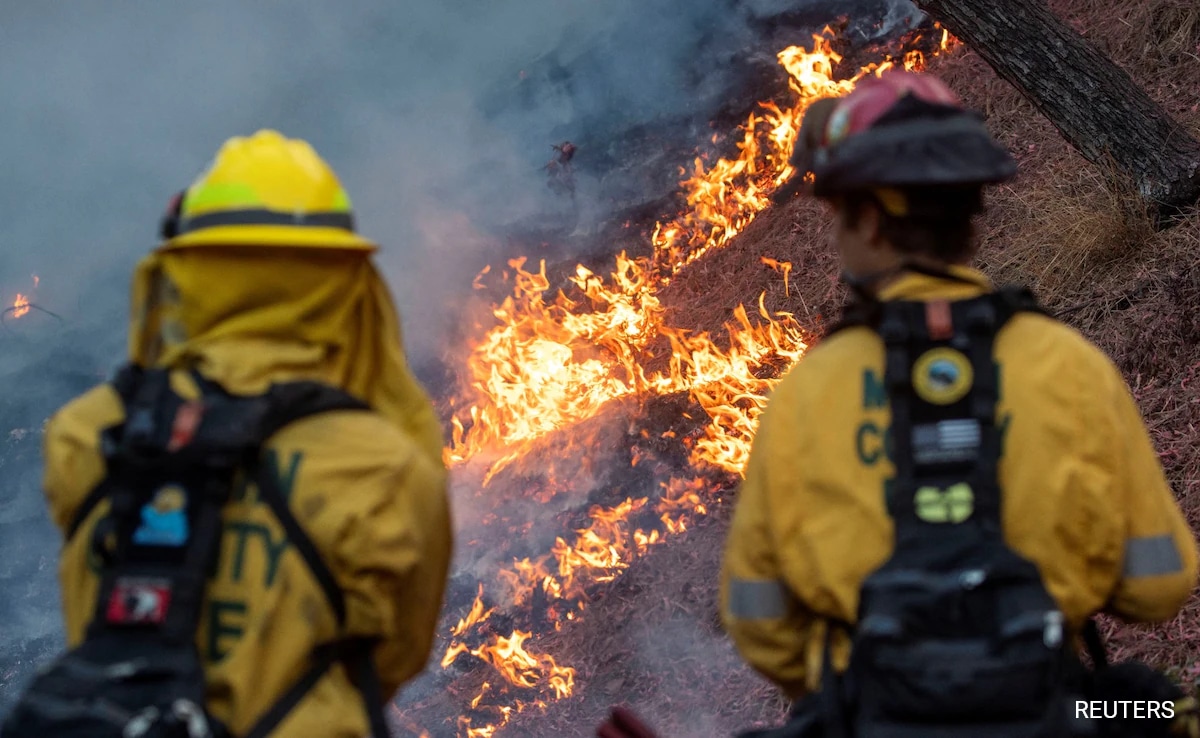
[834, 687]
[268, 491]
[290, 403]
[322, 660]
[1095, 644]
[124, 383]
[895, 328]
[356, 655]
[136, 451]
[982, 325]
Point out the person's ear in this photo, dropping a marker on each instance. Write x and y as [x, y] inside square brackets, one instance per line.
[870, 220]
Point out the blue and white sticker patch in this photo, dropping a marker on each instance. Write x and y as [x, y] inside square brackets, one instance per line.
[164, 519]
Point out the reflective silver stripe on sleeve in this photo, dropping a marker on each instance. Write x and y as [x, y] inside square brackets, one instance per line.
[757, 599]
[1152, 556]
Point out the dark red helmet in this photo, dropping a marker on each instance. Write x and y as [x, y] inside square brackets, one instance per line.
[899, 130]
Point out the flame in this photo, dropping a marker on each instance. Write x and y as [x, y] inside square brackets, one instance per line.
[477, 615]
[556, 357]
[948, 43]
[20, 306]
[554, 360]
[521, 668]
[780, 266]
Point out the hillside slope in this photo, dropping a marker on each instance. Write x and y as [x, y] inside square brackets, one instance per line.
[1063, 227]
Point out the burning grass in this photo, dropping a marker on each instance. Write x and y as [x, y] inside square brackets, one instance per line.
[625, 604]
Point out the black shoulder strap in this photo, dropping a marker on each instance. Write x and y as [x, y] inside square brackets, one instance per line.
[164, 530]
[1094, 643]
[356, 655]
[834, 688]
[125, 383]
[896, 329]
[289, 403]
[1012, 299]
[857, 313]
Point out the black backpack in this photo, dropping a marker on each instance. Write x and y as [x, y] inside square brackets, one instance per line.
[170, 470]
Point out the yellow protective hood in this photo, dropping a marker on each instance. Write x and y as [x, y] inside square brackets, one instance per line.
[250, 316]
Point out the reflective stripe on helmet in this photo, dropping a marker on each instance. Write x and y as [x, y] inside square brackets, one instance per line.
[345, 221]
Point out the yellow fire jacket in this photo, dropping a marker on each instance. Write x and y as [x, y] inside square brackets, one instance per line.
[369, 488]
[1084, 494]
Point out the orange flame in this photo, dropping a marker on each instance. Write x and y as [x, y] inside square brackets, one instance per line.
[780, 266]
[554, 360]
[20, 306]
[477, 615]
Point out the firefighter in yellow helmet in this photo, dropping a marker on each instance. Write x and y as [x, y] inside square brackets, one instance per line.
[261, 279]
[944, 490]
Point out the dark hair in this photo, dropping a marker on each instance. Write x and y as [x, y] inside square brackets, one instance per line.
[938, 224]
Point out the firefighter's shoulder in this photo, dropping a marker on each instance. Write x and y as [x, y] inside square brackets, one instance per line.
[349, 439]
[837, 351]
[1053, 347]
[81, 418]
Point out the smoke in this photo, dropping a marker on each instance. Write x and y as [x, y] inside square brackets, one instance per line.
[437, 115]
[422, 108]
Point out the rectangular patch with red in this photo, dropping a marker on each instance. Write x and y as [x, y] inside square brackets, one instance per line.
[139, 601]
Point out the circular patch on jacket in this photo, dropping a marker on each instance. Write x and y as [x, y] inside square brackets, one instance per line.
[942, 376]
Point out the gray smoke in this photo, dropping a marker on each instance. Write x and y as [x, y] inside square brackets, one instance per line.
[109, 108]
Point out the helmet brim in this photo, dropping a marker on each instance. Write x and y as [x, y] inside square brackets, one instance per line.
[956, 151]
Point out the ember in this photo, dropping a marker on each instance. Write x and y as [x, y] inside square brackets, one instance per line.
[20, 305]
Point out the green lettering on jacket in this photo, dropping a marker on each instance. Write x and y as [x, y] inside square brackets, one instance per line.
[284, 479]
[868, 435]
[243, 531]
[226, 620]
[874, 392]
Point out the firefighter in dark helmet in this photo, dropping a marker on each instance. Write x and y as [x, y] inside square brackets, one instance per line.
[950, 485]
[262, 279]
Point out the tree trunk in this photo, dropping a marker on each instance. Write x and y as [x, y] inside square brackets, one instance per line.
[1094, 103]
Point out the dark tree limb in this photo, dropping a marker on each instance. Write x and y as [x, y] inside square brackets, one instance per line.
[1094, 103]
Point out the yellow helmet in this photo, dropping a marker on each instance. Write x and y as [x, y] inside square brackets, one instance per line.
[265, 190]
